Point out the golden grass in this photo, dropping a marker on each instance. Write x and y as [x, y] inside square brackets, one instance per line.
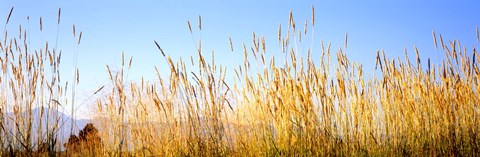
[29, 80]
[304, 106]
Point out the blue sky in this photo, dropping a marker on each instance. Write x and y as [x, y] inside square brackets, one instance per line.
[112, 27]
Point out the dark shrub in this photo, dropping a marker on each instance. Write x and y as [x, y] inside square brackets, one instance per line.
[87, 141]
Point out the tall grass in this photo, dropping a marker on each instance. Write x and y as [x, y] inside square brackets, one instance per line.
[31, 94]
[304, 106]
[273, 106]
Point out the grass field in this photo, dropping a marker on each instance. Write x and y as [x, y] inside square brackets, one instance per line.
[294, 106]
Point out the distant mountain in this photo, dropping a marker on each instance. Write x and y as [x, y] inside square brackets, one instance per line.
[52, 118]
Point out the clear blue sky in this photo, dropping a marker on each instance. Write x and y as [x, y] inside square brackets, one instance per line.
[110, 27]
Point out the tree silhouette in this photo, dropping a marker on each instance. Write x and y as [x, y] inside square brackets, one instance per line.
[87, 141]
